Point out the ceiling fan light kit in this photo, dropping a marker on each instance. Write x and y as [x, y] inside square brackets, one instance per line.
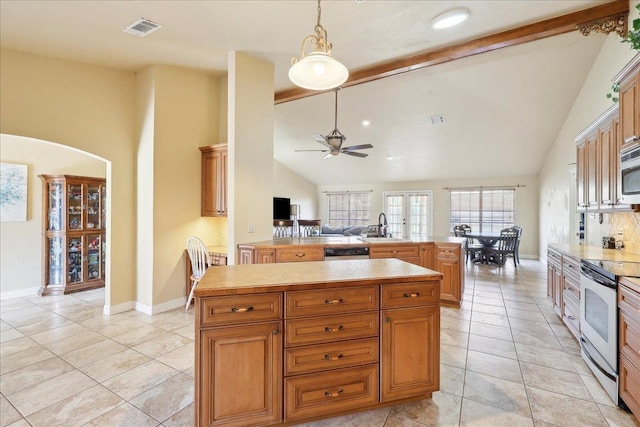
[450, 18]
[317, 70]
[334, 140]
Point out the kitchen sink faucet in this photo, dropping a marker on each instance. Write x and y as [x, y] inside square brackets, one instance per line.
[382, 226]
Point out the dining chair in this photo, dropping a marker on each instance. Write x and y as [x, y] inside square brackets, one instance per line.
[309, 227]
[200, 261]
[505, 247]
[517, 251]
[471, 250]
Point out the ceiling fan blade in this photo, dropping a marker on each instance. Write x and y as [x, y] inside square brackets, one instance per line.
[322, 151]
[322, 140]
[358, 147]
[328, 156]
[355, 153]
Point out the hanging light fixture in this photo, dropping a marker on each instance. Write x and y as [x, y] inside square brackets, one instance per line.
[317, 70]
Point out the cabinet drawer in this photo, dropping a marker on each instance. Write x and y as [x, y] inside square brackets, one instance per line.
[444, 250]
[571, 313]
[299, 254]
[330, 301]
[410, 294]
[571, 267]
[630, 385]
[320, 330]
[554, 257]
[629, 338]
[572, 287]
[629, 301]
[394, 251]
[304, 360]
[319, 394]
[240, 309]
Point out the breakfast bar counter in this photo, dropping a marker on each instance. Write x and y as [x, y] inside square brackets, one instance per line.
[284, 344]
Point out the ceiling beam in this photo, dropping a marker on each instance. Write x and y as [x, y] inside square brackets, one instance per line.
[539, 30]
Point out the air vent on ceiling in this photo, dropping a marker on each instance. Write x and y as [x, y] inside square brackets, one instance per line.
[141, 27]
[436, 120]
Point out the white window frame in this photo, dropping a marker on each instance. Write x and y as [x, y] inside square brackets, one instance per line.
[477, 225]
[401, 223]
[353, 218]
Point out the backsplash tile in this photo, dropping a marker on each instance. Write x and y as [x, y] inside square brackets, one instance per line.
[628, 222]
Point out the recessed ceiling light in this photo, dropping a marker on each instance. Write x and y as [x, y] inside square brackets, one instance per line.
[366, 122]
[450, 18]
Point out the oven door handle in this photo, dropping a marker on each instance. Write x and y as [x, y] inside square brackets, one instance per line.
[586, 344]
[596, 279]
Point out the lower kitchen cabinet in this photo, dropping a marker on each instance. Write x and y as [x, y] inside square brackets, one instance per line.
[410, 365]
[629, 344]
[240, 375]
[554, 279]
[448, 261]
[291, 356]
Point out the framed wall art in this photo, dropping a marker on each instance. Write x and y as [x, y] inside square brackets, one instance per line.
[13, 192]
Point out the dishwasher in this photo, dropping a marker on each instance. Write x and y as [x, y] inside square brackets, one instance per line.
[345, 253]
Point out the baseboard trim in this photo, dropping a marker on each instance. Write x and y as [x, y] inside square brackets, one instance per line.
[18, 293]
[118, 308]
[160, 308]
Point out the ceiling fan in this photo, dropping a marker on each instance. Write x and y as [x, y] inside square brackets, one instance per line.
[334, 140]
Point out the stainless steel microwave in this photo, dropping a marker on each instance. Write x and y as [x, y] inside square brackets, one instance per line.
[630, 175]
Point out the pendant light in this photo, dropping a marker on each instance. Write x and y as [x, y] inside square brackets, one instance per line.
[317, 70]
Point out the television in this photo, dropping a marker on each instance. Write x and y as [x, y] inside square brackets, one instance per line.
[281, 208]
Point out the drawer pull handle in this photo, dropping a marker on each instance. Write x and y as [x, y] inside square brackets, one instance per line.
[300, 255]
[333, 394]
[328, 329]
[329, 357]
[333, 301]
[241, 310]
[276, 332]
[412, 295]
[571, 318]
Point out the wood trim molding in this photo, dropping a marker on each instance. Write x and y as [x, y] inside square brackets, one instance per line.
[536, 31]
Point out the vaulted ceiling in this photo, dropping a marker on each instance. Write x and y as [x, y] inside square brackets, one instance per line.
[502, 109]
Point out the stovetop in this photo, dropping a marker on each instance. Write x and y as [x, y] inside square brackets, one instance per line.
[615, 269]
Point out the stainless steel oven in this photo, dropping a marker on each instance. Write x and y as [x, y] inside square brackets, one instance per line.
[630, 175]
[599, 325]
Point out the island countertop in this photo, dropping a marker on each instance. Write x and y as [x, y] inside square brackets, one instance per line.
[350, 241]
[256, 278]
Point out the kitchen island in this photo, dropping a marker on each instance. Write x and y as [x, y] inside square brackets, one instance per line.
[284, 344]
[440, 253]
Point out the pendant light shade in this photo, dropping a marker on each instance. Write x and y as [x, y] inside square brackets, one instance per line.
[317, 70]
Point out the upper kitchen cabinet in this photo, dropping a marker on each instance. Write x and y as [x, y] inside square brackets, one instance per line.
[214, 180]
[598, 163]
[629, 81]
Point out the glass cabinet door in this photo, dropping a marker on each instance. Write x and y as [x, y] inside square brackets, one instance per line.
[55, 206]
[74, 206]
[55, 261]
[74, 260]
[94, 208]
[95, 262]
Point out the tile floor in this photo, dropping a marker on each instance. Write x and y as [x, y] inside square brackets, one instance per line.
[506, 360]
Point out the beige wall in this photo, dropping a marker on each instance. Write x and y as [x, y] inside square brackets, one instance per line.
[89, 108]
[526, 203]
[21, 243]
[250, 136]
[287, 183]
[556, 186]
[147, 127]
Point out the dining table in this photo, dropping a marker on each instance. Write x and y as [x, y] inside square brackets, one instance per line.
[488, 241]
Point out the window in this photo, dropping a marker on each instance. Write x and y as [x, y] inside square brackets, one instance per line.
[348, 208]
[486, 211]
[408, 213]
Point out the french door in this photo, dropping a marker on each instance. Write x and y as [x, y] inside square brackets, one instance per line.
[409, 214]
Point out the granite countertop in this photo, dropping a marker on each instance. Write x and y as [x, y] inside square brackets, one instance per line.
[254, 278]
[348, 241]
[595, 252]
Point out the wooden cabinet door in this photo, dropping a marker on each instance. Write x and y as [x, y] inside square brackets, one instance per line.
[410, 357]
[557, 290]
[581, 175]
[606, 135]
[629, 112]
[214, 181]
[426, 255]
[592, 172]
[240, 375]
[447, 262]
[265, 256]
